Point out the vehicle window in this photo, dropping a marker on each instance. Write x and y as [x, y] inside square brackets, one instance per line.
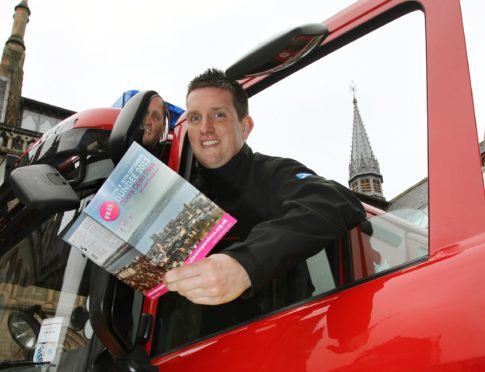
[43, 278]
[321, 273]
[59, 145]
[357, 116]
[387, 241]
[34, 287]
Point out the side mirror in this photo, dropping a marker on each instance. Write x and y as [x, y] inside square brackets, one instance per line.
[41, 186]
[279, 52]
[131, 125]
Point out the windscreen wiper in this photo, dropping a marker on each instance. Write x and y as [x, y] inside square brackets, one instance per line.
[19, 363]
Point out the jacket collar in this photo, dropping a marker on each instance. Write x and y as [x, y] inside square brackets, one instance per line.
[231, 177]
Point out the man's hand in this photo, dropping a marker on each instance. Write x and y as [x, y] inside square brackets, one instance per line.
[215, 280]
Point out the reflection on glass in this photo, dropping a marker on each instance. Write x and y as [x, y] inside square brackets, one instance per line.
[37, 122]
[42, 278]
[155, 126]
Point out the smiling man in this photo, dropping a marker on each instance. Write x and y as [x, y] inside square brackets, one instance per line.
[285, 212]
[216, 131]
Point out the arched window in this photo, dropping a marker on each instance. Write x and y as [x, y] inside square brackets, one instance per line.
[17, 143]
[365, 185]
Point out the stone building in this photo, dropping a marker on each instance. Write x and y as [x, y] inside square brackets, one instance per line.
[22, 120]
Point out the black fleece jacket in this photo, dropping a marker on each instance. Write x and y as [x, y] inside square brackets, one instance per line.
[285, 212]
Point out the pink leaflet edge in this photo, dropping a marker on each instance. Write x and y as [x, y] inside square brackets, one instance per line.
[203, 248]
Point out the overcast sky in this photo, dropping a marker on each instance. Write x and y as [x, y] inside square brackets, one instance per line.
[84, 54]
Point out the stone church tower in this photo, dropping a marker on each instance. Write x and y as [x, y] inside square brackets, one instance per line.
[22, 120]
[11, 68]
[364, 173]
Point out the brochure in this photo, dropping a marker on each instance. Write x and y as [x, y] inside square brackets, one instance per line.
[145, 220]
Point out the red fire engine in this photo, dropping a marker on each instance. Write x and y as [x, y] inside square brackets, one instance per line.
[393, 294]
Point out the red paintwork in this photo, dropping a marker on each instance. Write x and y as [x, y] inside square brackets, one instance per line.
[179, 133]
[399, 321]
[99, 118]
[425, 317]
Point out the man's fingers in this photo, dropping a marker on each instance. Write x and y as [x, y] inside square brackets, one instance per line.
[197, 294]
[182, 273]
[187, 283]
[214, 280]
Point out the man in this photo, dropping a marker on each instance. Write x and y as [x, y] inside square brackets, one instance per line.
[285, 212]
[155, 126]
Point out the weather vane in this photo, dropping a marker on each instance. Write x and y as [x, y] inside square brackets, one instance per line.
[353, 87]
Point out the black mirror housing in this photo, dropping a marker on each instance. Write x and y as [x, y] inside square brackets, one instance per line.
[41, 186]
[279, 52]
[127, 126]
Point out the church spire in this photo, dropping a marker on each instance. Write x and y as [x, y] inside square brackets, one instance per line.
[11, 67]
[364, 173]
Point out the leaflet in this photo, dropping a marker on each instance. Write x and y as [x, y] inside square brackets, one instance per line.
[146, 220]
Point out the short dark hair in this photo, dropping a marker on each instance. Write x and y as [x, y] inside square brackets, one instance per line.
[214, 78]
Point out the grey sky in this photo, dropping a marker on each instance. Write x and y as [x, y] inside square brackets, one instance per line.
[84, 54]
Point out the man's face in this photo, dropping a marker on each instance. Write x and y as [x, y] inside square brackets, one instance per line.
[215, 132]
[153, 122]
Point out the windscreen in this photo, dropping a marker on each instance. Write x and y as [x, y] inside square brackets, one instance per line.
[43, 281]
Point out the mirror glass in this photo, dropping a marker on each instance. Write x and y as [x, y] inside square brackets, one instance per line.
[144, 119]
[154, 125]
